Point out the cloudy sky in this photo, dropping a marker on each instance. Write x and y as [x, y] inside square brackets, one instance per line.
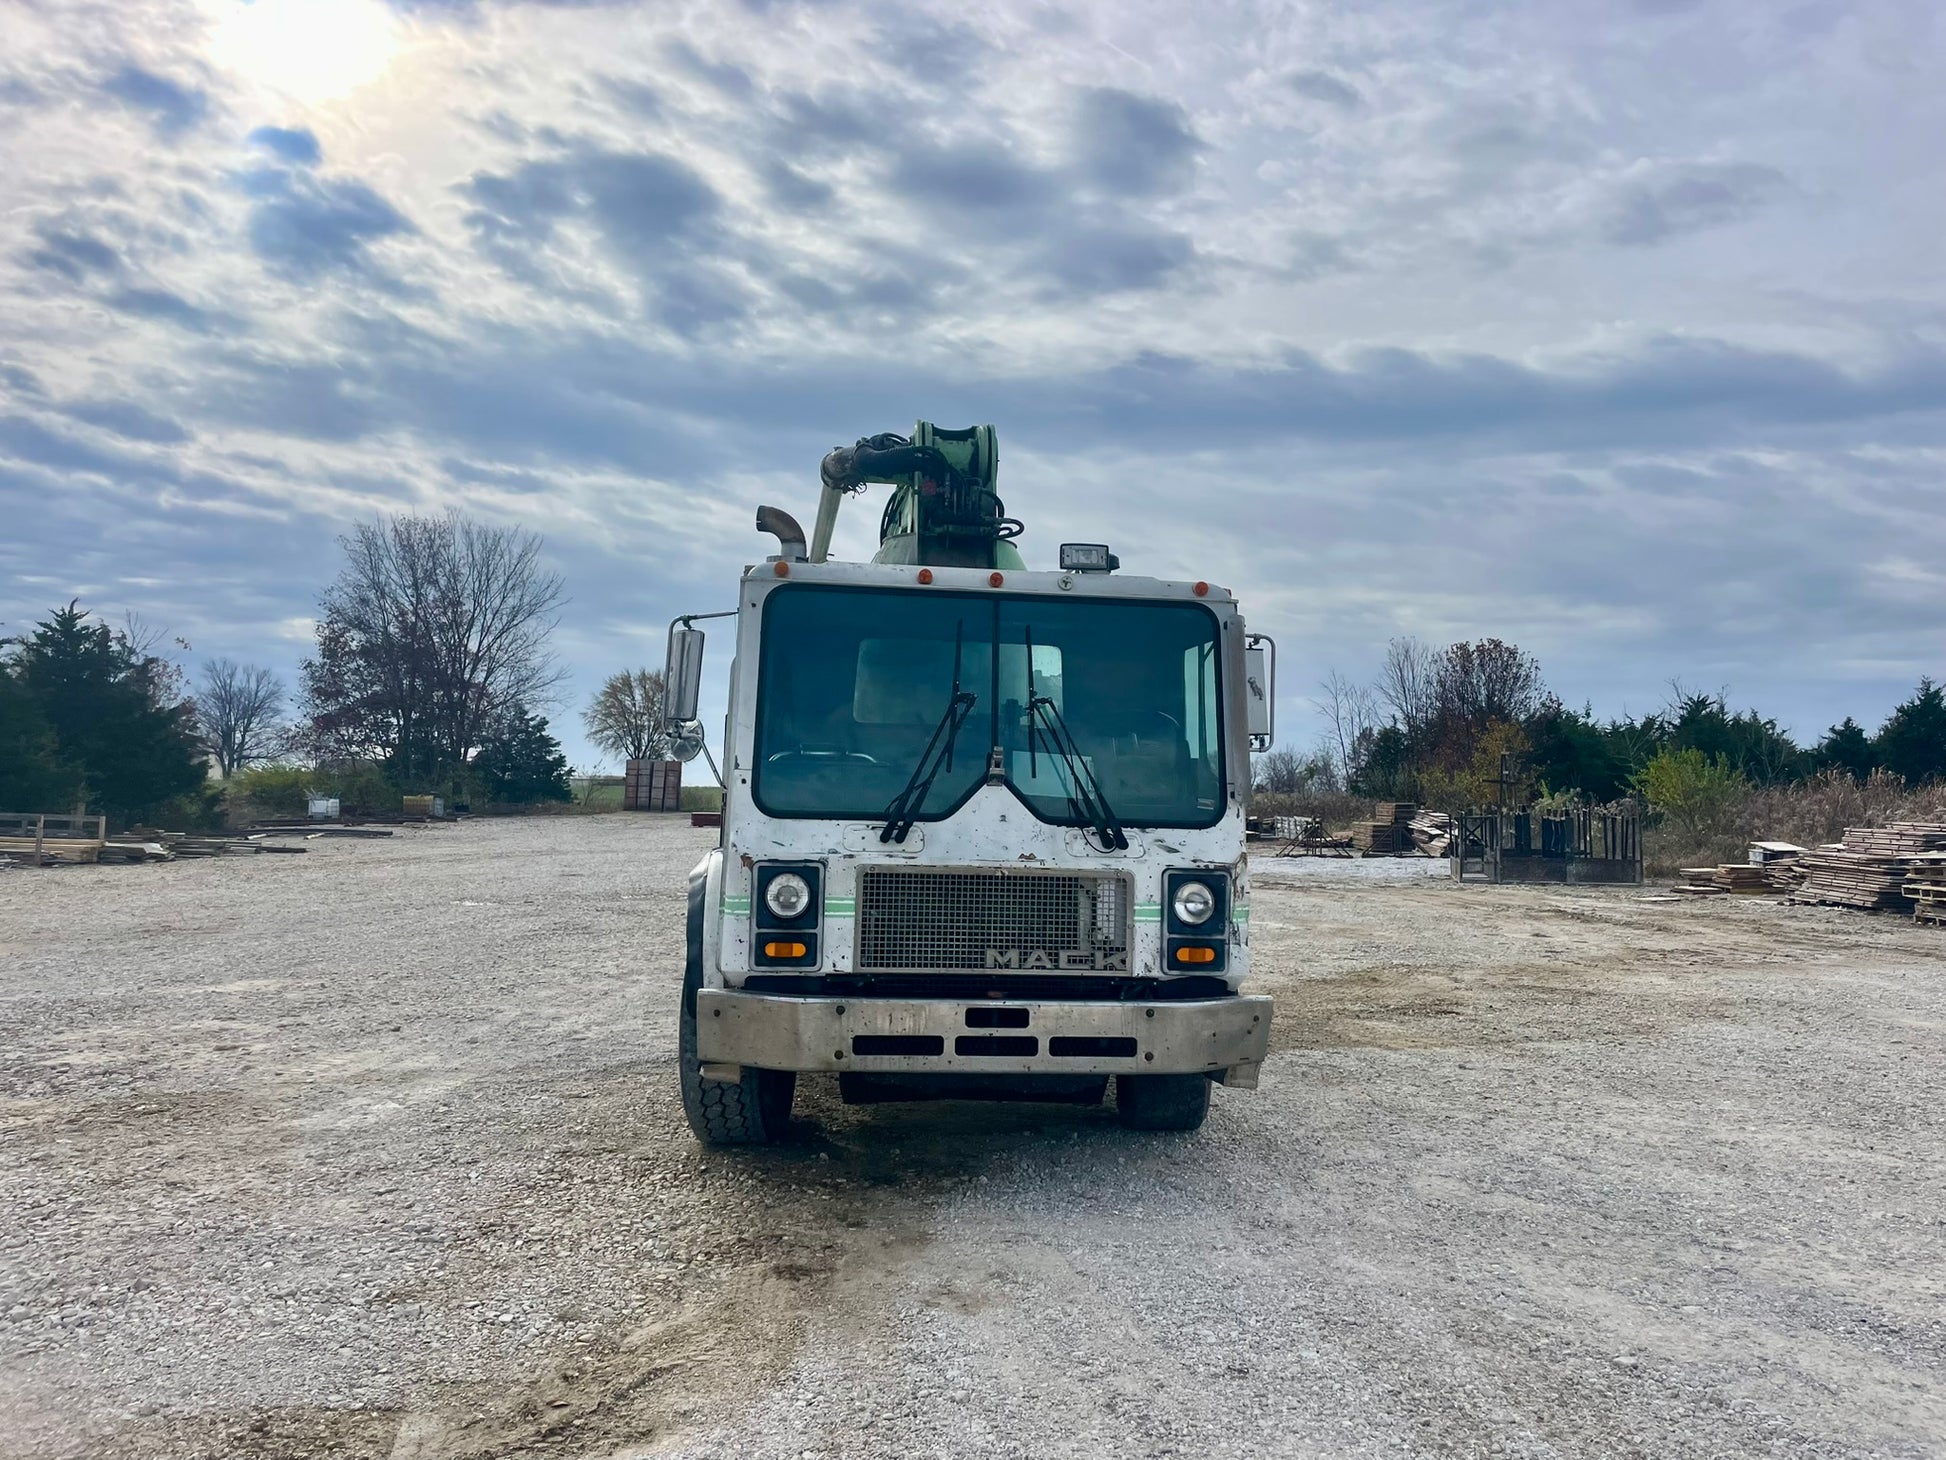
[1613, 329]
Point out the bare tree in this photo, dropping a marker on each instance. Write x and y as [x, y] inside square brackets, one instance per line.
[1280, 772]
[1406, 682]
[625, 717]
[1350, 711]
[435, 626]
[1478, 684]
[237, 708]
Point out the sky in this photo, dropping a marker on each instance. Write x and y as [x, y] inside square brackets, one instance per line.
[1615, 330]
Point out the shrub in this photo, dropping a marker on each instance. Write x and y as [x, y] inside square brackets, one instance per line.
[1696, 792]
[269, 790]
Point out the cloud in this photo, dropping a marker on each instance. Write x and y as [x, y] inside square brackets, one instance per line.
[304, 227]
[172, 107]
[1134, 146]
[1357, 294]
[1325, 87]
[732, 80]
[72, 253]
[127, 420]
[295, 145]
[980, 180]
[168, 307]
[654, 214]
[1684, 198]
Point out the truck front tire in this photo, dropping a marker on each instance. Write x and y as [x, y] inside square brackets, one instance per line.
[752, 1111]
[1162, 1102]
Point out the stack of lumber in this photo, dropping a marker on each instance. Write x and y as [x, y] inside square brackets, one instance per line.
[1925, 884]
[1900, 839]
[1868, 869]
[1389, 833]
[1741, 877]
[1698, 882]
[1376, 838]
[1785, 874]
[1432, 832]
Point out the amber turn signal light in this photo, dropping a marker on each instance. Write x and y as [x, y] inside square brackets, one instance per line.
[1195, 955]
[783, 950]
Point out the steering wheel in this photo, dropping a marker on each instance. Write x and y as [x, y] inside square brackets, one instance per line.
[1174, 730]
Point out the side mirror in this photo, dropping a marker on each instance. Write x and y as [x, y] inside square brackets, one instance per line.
[682, 678]
[1260, 689]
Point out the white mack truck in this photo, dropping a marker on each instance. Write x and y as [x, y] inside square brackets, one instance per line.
[983, 828]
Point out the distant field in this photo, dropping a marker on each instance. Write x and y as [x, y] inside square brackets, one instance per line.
[604, 793]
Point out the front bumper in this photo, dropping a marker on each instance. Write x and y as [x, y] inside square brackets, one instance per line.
[981, 1036]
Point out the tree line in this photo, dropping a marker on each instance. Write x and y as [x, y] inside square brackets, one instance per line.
[1475, 724]
[431, 663]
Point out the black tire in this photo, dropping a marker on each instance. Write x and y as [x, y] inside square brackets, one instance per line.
[752, 1111]
[1162, 1102]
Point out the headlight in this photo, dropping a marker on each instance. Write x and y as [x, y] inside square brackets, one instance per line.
[789, 894]
[1194, 903]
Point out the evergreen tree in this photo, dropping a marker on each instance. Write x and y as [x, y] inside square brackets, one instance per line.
[1846, 747]
[1912, 743]
[1571, 753]
[520, 762]
[32, 777]
[123, 741]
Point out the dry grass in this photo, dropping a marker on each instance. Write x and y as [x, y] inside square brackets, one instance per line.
[1808, 812]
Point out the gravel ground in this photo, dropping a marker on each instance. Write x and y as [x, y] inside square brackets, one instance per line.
[376, 1152]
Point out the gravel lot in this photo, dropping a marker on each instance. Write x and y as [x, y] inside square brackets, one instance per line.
[376, 1152]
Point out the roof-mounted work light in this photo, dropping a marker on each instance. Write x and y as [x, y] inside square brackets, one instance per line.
[1088, 557]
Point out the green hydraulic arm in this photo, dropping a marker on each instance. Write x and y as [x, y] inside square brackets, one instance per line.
[944, 511]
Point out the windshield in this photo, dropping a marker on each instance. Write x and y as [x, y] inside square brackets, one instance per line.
[855, 683]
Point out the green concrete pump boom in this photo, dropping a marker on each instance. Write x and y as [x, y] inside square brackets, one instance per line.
[944, 511]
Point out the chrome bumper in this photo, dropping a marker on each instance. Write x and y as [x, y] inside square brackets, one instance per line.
[981, 1036]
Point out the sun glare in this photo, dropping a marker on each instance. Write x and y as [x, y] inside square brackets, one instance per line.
[310, 50]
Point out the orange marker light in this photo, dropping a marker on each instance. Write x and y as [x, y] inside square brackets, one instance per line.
[1195, 955]
[1201, 590]
[783, 950]
[925, 575]
[994, 580]
[783, 569]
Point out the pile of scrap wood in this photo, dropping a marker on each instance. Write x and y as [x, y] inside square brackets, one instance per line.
[1390, 833]
[1432, 832]
[312, 830]
[148, 844]
[1925, 884]
[1868, 869]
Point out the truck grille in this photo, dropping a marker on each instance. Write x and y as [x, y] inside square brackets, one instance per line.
[1029, 921]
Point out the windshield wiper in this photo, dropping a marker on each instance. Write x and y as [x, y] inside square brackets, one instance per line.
[937, 756]
[1086, 799]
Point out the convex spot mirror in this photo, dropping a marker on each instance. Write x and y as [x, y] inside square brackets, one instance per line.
[686, 740]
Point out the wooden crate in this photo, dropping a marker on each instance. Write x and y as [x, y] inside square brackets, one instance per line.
[652, 785]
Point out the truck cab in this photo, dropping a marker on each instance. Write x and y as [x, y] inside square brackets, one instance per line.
[983, 837]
